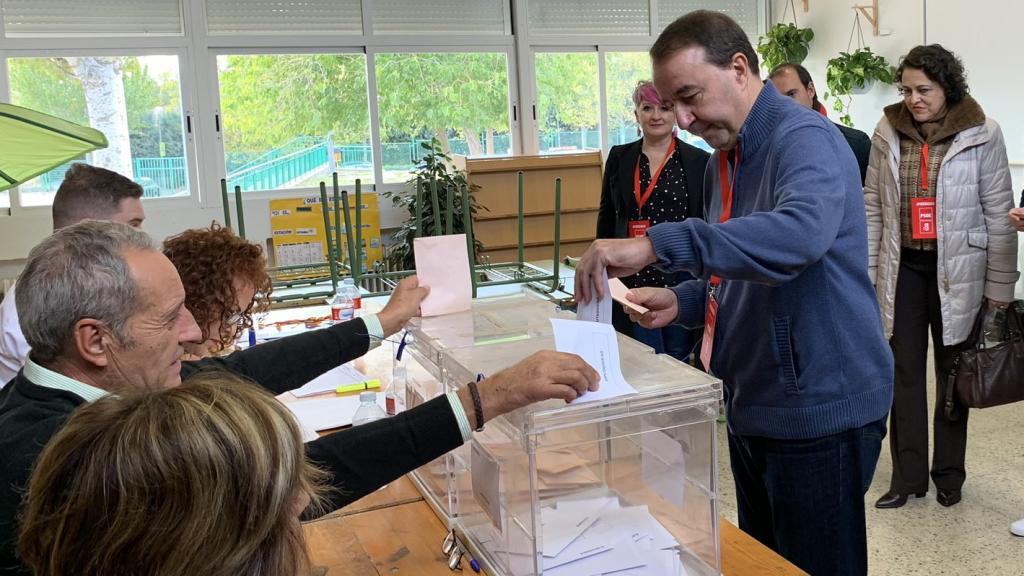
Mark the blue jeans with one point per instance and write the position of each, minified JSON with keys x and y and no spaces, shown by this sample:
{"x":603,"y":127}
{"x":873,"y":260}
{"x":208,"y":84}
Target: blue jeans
{"x":673,"y":340}
{"x":805,"y":498}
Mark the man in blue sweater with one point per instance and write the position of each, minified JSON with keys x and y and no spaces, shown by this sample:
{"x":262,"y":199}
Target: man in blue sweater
{"x":782,"y":291}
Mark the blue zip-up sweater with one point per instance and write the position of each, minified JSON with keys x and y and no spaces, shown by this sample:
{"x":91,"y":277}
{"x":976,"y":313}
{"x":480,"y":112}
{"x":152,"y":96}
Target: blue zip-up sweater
{"x":798,"y":339}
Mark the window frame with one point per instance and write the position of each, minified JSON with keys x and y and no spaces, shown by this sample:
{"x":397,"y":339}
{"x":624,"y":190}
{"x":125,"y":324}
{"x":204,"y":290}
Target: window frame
{"x":186,"y":96}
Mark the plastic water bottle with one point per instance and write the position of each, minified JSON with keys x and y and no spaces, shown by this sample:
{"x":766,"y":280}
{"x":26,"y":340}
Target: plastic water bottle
{"x":355,"y":295}
{"x":342,"y":307}
{"x":394,"y":396}
{"x":368,"y":410}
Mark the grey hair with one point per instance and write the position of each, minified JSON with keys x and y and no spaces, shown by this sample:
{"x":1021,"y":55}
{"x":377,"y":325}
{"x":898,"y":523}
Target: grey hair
{"x":78,"y":272}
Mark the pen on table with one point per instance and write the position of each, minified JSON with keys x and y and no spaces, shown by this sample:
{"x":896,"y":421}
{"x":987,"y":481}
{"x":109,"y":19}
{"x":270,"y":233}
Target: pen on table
{"x":252,"y":337}
{"x":357,"y":387}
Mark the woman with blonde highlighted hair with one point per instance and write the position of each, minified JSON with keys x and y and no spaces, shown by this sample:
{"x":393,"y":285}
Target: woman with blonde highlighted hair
{"x":658,"y":178}
{"x":206,"y":478}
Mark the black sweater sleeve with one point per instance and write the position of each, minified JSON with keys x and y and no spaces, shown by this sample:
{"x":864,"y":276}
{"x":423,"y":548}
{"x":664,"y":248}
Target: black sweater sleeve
{"x":364,"y":458}
{"x":288,"y":363}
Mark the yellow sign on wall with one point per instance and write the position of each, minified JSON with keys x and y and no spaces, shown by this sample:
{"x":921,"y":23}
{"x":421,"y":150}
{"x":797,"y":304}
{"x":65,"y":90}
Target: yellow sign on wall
{"x":297,"y":226}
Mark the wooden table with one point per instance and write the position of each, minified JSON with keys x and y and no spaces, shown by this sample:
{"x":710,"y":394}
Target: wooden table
{"x":394,"y":531}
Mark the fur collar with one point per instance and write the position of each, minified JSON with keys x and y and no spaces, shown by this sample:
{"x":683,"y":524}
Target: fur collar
{"x":966,"y":114}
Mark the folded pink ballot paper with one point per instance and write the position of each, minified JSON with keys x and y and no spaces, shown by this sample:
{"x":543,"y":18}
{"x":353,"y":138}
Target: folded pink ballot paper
{"x":443,"y":264}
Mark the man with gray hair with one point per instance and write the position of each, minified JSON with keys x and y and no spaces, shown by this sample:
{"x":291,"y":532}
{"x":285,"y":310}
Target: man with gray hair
{"x":86,"y":192}
{"x":104,"y":312}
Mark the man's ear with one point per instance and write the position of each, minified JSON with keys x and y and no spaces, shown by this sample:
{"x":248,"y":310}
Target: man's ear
{"x":91,"y":341}
{"x":741,"y":67}
{"x":812,"y":91}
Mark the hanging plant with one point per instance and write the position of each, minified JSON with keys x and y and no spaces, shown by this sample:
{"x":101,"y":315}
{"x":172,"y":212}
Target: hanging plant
{"x":855,"y":73}
{"x":784,"y":43}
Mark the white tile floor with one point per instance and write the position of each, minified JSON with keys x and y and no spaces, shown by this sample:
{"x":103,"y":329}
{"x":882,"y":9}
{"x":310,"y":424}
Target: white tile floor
{"x":923,"y":538}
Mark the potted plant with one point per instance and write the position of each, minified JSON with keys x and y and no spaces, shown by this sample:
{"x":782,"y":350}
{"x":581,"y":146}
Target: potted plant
{"x":784,"y":43}
{"x":434,"y":165}
{"x":855,"y":73}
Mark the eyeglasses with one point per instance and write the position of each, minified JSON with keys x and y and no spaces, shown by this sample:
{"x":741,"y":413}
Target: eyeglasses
{"x":906,"y":91}
{"x":236,"y":319}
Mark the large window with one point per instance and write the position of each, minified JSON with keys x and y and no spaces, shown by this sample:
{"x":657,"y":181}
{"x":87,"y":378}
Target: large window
{"x":459,"y":99}
{"x":289,"y":121}
{"x":567,"y":101}
{"x":134,"y":100}
{"x":622,"y":72}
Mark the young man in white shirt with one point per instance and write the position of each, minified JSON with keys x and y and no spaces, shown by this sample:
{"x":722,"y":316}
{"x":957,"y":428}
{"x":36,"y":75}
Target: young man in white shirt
{"x":87,"y":193}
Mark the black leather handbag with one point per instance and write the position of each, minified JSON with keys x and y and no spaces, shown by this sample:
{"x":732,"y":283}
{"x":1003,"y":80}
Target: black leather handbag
{"x":988,"y":376}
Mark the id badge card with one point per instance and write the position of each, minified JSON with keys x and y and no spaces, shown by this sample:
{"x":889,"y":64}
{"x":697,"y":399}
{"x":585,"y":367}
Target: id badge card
{"x":710,"y":316}
{"x":638,"y":228}
{"x":923,"y":218}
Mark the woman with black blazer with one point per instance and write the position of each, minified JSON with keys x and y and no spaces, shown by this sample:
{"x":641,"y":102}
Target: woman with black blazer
{"x":658,"y":178}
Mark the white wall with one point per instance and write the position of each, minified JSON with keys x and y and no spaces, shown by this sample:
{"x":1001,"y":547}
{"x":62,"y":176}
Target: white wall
{"x":902,"y":22}
{"x":989,"y":52}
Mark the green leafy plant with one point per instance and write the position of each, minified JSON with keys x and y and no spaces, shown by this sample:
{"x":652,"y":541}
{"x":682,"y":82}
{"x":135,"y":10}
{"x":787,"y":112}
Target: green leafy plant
{"x":435,"y":165}
{"x":784,"y":43}
{"x":853,"y":71}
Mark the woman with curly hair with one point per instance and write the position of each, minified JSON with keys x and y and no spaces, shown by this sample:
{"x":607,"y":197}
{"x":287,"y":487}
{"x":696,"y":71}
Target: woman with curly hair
{"x":209,"y":477}
{"x":940,"y":251}
{"x":225,"y":281}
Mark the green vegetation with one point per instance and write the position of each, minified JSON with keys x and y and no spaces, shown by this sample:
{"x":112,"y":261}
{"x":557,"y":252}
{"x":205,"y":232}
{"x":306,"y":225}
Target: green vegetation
{"x":854,"y":71}
{"x":784,"y":43}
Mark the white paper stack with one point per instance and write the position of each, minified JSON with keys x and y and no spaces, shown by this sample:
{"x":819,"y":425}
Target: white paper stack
{"x":597,"y":536}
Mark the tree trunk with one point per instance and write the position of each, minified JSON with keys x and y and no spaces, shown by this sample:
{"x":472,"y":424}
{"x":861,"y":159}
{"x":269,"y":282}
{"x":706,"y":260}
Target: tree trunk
{"x":103,"y":82}
{"x":475,"y":149}
{"x":442,"y":136}
{"x":489,"y":135}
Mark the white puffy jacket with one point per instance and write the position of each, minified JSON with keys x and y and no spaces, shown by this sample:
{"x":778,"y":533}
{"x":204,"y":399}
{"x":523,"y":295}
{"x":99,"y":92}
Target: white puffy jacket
{"x":977,"y":247}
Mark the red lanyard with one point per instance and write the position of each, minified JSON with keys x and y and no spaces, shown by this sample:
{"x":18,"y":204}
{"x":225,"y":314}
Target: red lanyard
{"x":727,"y":188}
{"x":924,"y":167}
{"x":641,"y":200}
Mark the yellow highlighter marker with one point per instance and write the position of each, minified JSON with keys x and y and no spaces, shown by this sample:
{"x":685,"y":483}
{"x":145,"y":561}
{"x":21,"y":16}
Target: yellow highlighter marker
{"x":357,"y":387}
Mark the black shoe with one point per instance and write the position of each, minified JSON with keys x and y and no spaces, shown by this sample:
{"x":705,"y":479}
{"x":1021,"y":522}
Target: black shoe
{"x":947,"y":497}
{"x":893,"y":500}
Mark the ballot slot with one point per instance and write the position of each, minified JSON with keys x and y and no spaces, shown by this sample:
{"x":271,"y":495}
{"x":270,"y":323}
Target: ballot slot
{"x":628,"y":482}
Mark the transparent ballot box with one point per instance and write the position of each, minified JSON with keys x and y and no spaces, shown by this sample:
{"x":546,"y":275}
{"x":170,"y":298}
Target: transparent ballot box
{"x":492,"y":321}
{"x":626,"y":485}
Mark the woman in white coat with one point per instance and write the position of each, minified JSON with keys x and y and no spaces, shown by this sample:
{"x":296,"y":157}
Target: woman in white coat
{"x":940,"y":248}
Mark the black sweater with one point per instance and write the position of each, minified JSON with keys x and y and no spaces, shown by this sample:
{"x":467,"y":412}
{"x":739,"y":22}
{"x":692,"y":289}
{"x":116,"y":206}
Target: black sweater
{"x":360,"y":460}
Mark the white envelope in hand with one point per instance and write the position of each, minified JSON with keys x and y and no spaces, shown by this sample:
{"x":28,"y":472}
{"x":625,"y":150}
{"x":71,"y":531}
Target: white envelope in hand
{"x":442,"y":263}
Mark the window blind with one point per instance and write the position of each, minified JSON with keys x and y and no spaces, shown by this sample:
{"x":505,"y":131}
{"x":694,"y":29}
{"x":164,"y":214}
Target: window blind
{"x":589,"y":17}
{"x":744,"y":12}
{"x":284,"y":17}
{"x":54,"y":18}
{"x":439,"y":17}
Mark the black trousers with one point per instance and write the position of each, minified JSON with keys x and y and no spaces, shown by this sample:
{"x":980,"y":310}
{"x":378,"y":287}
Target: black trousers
{"x":917,"y":310}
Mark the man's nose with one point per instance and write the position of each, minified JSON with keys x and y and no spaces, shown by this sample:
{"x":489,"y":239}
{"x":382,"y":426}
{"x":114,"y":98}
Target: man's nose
{"x":190,"y":331}
{"x":684,"y":117}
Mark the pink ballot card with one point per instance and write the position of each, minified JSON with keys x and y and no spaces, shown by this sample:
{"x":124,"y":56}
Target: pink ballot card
{"x":442,"y":264}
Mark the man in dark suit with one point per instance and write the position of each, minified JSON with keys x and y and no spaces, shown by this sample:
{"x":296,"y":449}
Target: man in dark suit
{"x":794,"y":80}
{"x":103,"y":311}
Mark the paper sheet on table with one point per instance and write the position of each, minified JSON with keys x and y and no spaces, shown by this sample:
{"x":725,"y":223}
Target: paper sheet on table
{"x":598,"y":345}
{"x":326,"y":412}
{"x":598,"y":309}
{"x":443,"y":265}
{"x":328,"y":381}
{"x":618,"y":291}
